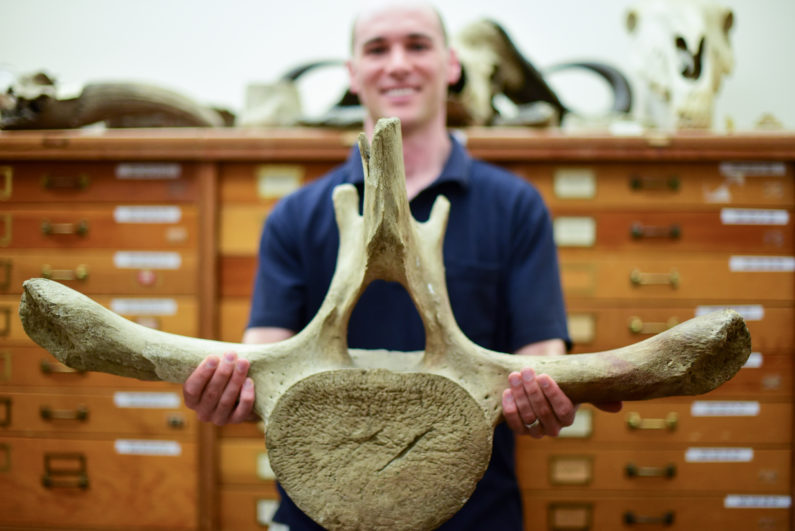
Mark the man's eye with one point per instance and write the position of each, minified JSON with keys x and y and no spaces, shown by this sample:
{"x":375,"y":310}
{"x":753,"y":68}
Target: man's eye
{"x":418,"y":46}
{"x":375,"y":50}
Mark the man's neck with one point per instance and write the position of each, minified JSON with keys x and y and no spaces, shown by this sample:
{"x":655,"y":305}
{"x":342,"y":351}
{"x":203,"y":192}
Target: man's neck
{"x":425,"y":153}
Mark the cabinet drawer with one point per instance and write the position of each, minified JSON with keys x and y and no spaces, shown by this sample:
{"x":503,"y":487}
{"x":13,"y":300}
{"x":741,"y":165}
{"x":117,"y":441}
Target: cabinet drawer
{"x":233,"y":314}
{"x":105,"y":272}
{"x":601,"y":327}
{"x":244,"y":461}
{"x":247,"y":508}
{"x":247,"y":182}
{"x":728,"y":230}
{"x":146,"y":182}
{"x":686,"y":420}
{"x":696,"y":277}
{"x":35,"y":367}
{"x":236,"y":275}
{"x":241,"y":226}
{"x":657,"y":470}
{"x":82,"y":484}
{"x":178,"y":315}
{"x":85,"y":226}
{"x":560,"y":511}
{"x":660,"y":185}
{"x":123,"y":413}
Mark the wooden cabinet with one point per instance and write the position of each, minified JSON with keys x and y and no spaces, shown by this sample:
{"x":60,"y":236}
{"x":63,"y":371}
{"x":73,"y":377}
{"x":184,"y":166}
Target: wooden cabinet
{"x":163,"y":227}
{"x":93,"y":450}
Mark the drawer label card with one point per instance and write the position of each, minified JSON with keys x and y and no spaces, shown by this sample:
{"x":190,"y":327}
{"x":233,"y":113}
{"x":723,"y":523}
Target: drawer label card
{"x":749,"y":312}
{"x":148,"y":170}
{"x":265,"y":511}
{"x":706,"y":408}
{"x":753,"y":216}
{"x":264,"y":470}
{"x":762,"y":264}
{"x":147,"y":260}
{"x":719,"y":455}
{"x":574,"y":231}
{"x":146,"y":400}
{"x":144,"y":306}
{"x":147,"y":214}
{"x":754,"y":361}
{"x":278,"y":180}
{"x":753,"y":169}
{"x":750,"y":501}
{"x":147,"y":447}
{"x":574,"y":183}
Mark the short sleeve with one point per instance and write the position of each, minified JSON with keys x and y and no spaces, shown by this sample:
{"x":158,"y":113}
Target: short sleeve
{"x":537,"y":309}
{"x":279,"y":286}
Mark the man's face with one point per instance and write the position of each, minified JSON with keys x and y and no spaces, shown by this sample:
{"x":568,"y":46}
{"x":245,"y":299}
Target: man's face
{"x":401,"y":66}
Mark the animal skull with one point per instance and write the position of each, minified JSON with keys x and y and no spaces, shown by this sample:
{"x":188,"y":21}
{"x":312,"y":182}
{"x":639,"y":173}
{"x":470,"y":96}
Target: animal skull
{"x":377,"y":439}
{"x":681,"y":52}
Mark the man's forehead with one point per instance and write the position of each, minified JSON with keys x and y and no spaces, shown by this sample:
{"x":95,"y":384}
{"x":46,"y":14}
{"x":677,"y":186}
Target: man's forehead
{"x":412,"y":21}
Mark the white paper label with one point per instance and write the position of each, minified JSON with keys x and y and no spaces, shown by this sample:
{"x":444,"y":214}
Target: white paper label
{"x":265,"y":511}
{"x":147,"y":260}
{"x":753,"y":169}
{"x":264,"y":470}
{"x":144,"y":306}
{"x":749,"y":216}
{"x":574,"y":231}
{"x":582,"y":426}
{"x":719,"y":455}
{"x":704,"y":408}
{"x":277,"y":180}
{"x":147,"y":447}
{"x":749,"y":312}
{"x":754,"y":361}
{"x":147,"y":214}
{"x":574,"y":183}
{"x":749,"y":501}
{"x":148,"y":170}
{"x":762,"y":264}
{"x":145,"y":400}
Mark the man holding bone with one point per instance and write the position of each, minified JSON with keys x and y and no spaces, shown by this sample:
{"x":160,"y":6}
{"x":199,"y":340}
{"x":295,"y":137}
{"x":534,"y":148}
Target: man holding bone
{"x":499,"y":254}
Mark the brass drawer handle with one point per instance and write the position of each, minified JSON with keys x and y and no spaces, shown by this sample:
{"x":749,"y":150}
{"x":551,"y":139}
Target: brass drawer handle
{"x":639,"y":278}
{"x":5,"y":273}
{"x":638,"y":326}
{"x":5,"y":321}
{"x":638,"y":182}
{"x":80,"y":414}
{"x":639,"y":231}
{"x":78,"y":273}
{"x":636,"y":422}
{"x":48,"y":367}
{"x":5,"y":239}
{"x":5,"y":420}
{"x":665,"y":519}
{"x":65,"y":470}
{"x":53,"y":229}
{"x":634,"y":471}
{"x":66,"y":182}
{"x":7,"y":175}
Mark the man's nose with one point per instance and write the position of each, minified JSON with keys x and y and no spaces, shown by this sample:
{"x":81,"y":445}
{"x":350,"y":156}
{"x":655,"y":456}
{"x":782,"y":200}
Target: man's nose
{"x":398,"y":60}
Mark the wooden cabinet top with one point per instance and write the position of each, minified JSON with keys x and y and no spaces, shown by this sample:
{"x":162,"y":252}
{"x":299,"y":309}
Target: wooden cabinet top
{"x":498,"y":144}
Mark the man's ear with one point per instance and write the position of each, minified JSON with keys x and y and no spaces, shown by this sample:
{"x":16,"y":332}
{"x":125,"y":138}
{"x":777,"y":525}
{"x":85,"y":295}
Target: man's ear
{"x":353,"y":85}
{"x":453,"y":68}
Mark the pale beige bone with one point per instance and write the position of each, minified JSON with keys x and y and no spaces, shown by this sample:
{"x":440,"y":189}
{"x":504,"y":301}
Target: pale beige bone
{"x":377,"y":439}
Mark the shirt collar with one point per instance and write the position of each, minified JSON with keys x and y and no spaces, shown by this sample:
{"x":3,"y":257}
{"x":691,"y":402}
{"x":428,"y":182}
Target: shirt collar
{"x":455,"y":170}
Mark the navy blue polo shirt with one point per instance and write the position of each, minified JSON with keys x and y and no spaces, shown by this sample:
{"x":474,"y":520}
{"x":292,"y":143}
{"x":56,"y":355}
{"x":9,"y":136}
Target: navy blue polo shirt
{"x":502,"y":278}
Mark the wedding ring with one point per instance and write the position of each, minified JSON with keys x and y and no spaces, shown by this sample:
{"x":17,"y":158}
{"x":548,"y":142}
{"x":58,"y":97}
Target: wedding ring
{"x":532,"y":424}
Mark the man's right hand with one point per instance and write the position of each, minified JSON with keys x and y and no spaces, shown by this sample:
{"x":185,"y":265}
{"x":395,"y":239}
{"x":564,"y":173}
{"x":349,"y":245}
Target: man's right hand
{"x":219,"y":390}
